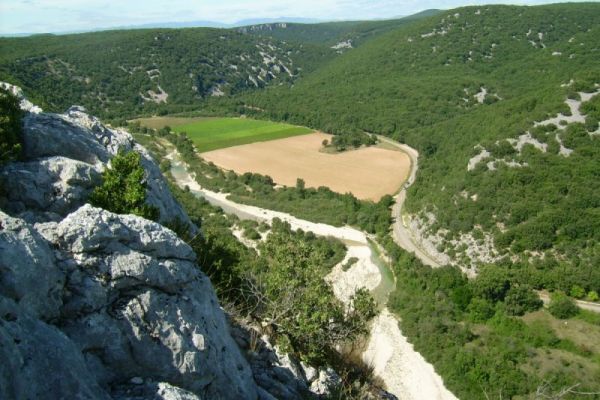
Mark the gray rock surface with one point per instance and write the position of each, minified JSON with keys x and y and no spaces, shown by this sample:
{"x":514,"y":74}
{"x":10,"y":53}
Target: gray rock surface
{"x":64,"y":157}
{"x":129,"y":301}
{"x":49,"y":135}
{"x":39,"y":361}
{"x":28,"y":273}
{"x":52,"y":186}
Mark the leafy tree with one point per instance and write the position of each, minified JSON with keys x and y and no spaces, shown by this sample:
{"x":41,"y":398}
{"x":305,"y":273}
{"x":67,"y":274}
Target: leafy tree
{"x":123,"y":190}
{"x":10,"y":127}
{"x":492,"y":283}
{"x":521,"y":299}
{"x":562,"y":306}
{"x":294,"y":299}
{"x":577,"y":291}
{"x":480,"y":310}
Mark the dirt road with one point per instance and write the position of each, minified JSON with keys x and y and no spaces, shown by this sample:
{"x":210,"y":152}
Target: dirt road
{"x":401,"y":233}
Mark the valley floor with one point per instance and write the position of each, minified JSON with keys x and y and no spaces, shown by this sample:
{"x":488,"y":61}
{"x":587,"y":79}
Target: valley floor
{"x":404,"y":371}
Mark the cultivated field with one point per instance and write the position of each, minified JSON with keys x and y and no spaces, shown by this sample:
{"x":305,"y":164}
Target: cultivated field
{"x":368,"y":173}
{"x":217,"y":133}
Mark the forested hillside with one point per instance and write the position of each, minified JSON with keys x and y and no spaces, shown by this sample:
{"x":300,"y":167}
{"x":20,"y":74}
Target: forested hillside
{"x":474,"y":81}
{"x":121,"y":73}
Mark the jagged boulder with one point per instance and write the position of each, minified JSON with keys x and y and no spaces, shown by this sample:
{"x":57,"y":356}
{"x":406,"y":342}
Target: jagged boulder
{"x":97,"y":305}
{"x":129,"y":302}
{"x":28,"y":273}
{"x":52,"y":187}
{"x":39,"y":361}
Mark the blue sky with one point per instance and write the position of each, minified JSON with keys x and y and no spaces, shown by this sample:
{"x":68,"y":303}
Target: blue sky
{"x":36,"y":16}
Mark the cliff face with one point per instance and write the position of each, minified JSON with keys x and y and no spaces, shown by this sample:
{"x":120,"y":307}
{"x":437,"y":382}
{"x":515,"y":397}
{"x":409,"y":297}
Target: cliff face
{"x":94,"y":304}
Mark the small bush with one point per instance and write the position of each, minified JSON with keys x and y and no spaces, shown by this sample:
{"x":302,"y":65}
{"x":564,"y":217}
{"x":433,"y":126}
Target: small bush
{"x":123,"y":190}
{"x":480,"y":310}
{"x":351,"y":261}
{"x":521,"y":299}
{"x":10,"y":127}
{"x":562,"y":307}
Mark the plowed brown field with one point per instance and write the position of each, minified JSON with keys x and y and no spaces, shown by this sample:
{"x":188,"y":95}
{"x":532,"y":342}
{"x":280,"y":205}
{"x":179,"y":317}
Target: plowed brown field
{"x":368,"y":173}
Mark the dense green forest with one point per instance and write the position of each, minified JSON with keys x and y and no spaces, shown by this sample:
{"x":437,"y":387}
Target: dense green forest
{"x":123,"y":73}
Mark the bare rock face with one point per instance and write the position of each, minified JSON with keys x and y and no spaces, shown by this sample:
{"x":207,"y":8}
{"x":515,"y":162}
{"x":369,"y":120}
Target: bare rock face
{"x":28,"y":273}
{"x":39,"y":361}
{"x":95,"y":305}
{"x":52,"y":187}
{"x":126,"y":300}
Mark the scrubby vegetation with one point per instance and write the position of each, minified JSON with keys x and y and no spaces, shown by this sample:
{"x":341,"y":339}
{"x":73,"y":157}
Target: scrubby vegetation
{"x":283,"y":287}
{"x":123,"y":189}
{"x":10,"y":127}
{"x":282,"y":284}
{"x":470,"y":331}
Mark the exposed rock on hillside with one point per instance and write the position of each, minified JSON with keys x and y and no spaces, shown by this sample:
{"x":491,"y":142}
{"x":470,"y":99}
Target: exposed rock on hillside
{"x":97,"y":305}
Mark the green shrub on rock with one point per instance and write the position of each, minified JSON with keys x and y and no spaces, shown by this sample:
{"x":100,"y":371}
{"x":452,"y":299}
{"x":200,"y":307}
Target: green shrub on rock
{"x":10,"y":127}
{"x":123,"y":190}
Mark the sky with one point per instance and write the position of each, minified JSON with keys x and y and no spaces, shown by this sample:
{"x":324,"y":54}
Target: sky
{"x":42,"y":16}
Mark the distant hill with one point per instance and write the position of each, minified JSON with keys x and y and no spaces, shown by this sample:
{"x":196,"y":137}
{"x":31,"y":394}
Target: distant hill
{"x":128,"y":72}
{"x":332,"y":33}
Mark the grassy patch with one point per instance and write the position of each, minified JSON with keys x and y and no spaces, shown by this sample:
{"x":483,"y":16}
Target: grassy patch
{"x":585,"y":336}
{"x":213,"y":134}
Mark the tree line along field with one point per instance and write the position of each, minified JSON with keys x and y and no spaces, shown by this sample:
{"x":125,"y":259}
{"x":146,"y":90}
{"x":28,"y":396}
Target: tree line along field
{"x":216,"y":133}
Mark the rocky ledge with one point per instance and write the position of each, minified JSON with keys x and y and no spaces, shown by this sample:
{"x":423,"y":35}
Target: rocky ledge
{"x":95,"y":305}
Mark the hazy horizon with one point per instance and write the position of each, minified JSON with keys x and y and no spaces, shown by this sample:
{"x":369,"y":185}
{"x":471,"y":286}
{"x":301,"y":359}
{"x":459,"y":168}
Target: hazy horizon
{"x":59,"y":16}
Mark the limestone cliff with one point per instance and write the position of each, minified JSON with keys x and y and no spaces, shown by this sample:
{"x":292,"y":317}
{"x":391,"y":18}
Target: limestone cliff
{"x":95,"y":305}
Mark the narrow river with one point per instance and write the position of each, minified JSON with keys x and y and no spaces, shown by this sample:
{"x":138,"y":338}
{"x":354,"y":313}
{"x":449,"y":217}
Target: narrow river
{"x":404,"y":371}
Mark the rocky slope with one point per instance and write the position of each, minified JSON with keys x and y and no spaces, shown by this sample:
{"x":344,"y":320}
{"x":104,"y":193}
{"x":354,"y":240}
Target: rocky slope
{"x":97,"y":305}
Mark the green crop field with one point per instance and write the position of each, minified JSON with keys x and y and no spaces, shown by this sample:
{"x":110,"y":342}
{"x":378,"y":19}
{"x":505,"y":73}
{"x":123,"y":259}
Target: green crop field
{"x":213,"y":134}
